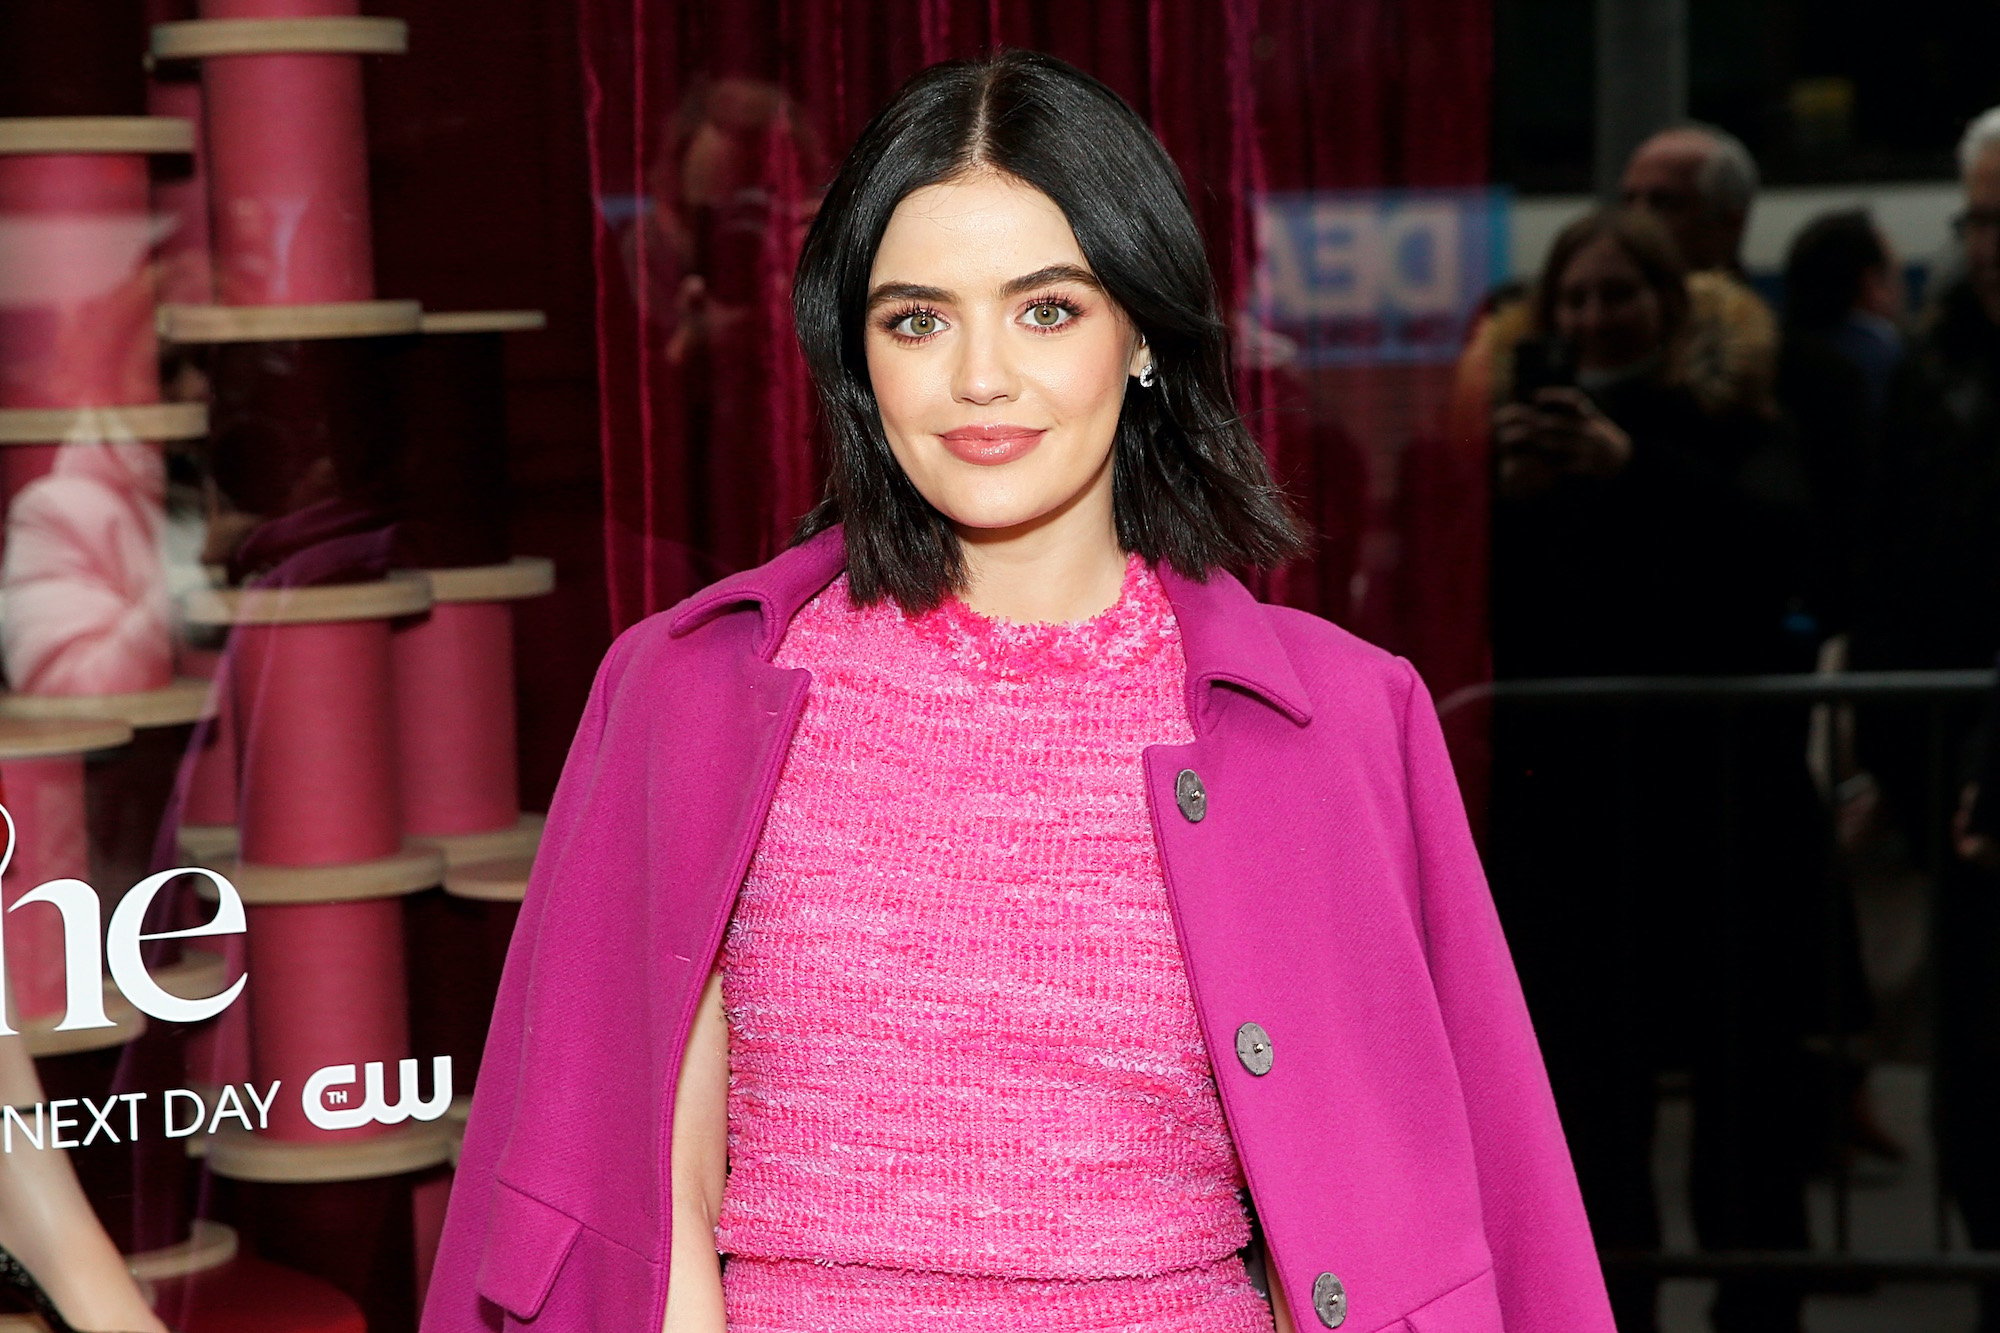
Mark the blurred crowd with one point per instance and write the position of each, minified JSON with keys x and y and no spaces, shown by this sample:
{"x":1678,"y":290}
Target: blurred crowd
{"x":1693,"y":480}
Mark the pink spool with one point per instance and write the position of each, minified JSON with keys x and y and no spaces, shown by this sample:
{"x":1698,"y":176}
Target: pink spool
{"x":181,"y":203}
{"x":288,"y":179}
{"x":210,"y":799}
{"x":317,"y":775}
{"x":454,"y":673}
{"x":45,"y":797}
{"x":330,"y":991}
{"x":77,"y":328}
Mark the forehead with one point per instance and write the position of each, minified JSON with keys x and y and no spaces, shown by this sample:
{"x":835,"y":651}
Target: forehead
{"x":1601,"y":260}
{"x":973,"y":233}
{"x":1674,"y":160}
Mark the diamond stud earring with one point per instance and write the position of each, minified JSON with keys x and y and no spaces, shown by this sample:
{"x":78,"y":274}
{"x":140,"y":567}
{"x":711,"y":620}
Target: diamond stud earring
{"x":1146,"y":376}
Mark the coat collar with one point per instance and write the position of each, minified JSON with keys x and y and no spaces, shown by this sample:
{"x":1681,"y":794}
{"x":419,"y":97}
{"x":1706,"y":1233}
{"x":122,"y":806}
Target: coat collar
{"x":1226,"y":634}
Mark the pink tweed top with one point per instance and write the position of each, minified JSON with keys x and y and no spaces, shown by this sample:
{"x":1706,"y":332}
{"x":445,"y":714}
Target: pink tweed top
{"x":966,"y":1077}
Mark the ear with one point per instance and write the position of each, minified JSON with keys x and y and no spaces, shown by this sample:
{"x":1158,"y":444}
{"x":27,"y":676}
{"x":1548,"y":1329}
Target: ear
{"x":1142,"y":356}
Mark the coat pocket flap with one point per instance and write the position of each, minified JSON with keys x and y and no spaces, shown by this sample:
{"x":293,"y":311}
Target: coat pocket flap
{"x":526,"y":1243}
{"x":1470,"y":1307}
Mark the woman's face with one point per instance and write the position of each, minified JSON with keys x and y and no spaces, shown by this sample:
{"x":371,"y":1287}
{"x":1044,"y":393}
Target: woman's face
{"x":997,"y":362}
{"x":1605,"y":309}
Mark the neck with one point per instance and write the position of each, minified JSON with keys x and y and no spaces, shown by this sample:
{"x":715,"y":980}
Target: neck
{"x":1065,"y":566}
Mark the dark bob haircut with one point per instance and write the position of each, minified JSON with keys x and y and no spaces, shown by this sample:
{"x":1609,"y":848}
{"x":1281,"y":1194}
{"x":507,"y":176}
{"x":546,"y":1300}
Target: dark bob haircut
{"x":1189,"y":484}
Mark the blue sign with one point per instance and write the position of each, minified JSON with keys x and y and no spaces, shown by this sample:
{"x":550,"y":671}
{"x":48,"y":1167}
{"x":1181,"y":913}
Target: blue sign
{"x":1367,"y":277}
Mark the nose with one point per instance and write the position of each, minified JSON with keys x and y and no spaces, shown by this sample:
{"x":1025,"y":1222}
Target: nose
{"x":985,"y":371}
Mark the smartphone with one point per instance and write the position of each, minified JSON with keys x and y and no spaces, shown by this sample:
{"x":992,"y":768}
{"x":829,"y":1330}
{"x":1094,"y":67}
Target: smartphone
{"x":1542,"y":363}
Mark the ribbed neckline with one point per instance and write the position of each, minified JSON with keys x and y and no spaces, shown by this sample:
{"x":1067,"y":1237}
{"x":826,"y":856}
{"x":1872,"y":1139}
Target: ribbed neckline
{"x":1135,"y":628}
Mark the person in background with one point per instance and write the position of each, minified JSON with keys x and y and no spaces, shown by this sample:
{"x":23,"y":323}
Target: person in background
{"x":1639,"y":529}
{"x":1933,"y":601}
{"x":1842,"y":341}
{"x":1844,"y":289}
{"x":1699,"y":181}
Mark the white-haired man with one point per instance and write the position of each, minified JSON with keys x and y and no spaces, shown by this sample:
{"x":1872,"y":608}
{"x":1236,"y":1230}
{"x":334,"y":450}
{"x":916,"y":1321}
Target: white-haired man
{"x":1700,"y":181}
{"x":1979,"y":224}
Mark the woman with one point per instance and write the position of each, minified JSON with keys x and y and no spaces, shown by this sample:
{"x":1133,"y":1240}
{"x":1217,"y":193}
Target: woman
{"x":1645,"y":490}
{"x":1661,"y":869}
{"x":969,"y":917}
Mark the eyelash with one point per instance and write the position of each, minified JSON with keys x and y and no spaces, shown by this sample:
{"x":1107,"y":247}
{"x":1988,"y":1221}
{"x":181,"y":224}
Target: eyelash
{"x":1063,"y":303}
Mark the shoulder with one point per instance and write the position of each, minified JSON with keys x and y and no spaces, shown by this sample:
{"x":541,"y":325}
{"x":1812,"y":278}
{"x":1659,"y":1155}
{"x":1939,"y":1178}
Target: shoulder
{"x":1344,"y":675}
{"x":1728,"y":353}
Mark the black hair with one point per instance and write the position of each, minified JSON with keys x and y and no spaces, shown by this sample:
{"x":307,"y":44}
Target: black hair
{"x":1826,"y":265}
{"x":1189,"y":484}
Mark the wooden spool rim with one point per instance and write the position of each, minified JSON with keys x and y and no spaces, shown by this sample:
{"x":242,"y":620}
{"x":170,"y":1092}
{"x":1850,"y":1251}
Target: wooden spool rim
{"x":520,"y":838}
{"x":522,"y":577}
{"x":96,"y":134}
{"x":286,"y":323}
{"x":42,"y":1039}
{"x":403,"y":593}
{"x":42,"y":738}
{"x":484,"y":321}
{"x":502,"y":880}
{"x":208,"y":844}
{"x":331,"y":34}
{"x":242,"y":1154}
{"x":133,"y":421}
{"x":210,"y":1244}
{"x":185,"y":700}
{"x":411,"y":870}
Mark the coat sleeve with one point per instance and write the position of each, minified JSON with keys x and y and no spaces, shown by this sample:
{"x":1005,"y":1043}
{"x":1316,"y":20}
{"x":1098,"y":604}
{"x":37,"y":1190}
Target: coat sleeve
{"x":1544,"y":1261}
{"x":452,"y":1303}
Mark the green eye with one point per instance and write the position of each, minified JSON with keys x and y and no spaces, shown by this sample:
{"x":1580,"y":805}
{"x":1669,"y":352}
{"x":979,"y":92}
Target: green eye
{"x":922,"y":324}
{"x":1047,"y":315}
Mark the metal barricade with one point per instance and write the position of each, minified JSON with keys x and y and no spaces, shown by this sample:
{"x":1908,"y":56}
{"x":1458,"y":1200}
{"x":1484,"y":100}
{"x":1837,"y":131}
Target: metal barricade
{"x":1935,"y":702}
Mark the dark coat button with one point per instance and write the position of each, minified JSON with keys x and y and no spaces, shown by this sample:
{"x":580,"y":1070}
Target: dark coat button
{"x":1190,"y":795}
{"x":1253,"y":1048}
{"x":1329,"y":1300}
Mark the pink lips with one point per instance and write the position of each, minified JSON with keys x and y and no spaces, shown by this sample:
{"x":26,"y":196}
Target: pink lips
{"x":991,"y":445}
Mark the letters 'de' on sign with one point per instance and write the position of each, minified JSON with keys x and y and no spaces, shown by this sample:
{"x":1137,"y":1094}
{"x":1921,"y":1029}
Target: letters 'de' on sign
{"x":1375,"y":277}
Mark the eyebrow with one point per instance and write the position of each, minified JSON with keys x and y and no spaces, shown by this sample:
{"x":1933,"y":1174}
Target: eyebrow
{"x":1041,"y":277}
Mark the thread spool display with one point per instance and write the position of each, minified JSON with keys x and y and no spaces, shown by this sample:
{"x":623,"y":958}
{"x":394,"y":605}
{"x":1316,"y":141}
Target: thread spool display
{"x":322,"y":861}
{"x":80,"y":415}
{"x":287,"y":147}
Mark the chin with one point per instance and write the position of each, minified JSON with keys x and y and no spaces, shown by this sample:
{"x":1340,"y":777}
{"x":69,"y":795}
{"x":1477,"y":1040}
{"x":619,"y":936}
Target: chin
{"x":993,"y":513}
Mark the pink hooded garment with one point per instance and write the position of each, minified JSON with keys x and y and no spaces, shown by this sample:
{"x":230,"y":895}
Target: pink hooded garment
{"x":1395,"y":1126}
{"x":86,"y":592}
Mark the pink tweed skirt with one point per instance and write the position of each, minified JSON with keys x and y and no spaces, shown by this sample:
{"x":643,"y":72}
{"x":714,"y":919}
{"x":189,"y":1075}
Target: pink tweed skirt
{"x":802,"y":1296}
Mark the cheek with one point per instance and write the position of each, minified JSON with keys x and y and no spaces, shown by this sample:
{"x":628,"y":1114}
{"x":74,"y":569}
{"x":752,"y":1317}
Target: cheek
{"x":1646,"y":318}
{"x":1082,"y":378}
{"x":903,"y":387}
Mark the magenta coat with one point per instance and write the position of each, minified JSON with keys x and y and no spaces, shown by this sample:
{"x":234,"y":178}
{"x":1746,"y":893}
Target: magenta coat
{"x":1402,"y":1148}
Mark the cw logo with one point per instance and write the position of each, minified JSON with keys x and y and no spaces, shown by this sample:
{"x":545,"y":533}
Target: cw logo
{"x":85,"y":947}
{"x":325,"y":1087}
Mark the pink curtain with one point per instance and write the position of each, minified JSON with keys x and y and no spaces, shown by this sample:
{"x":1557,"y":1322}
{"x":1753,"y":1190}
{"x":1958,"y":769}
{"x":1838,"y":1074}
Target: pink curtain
{"x":713,"y":127}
